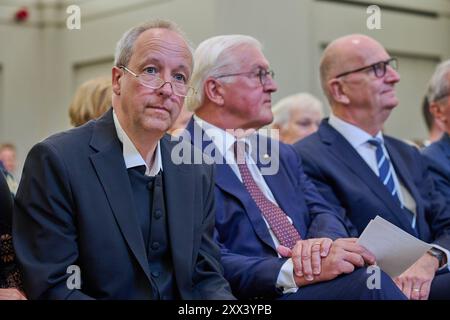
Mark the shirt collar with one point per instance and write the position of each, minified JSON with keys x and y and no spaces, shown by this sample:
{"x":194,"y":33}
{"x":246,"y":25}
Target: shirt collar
{"x":131,"y":156}
{"x":354,"y":135}
{"x":222,"y":139}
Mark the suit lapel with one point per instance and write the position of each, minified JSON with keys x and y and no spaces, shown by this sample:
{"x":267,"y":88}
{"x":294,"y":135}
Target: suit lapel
{"x":178,"y":193}
{"x":445,"y":144}
{"x":110,"y":167}
{"x":288,"y":201}
{"x":227,"y":181}
{"x":405,"y":178}
{"x":344,"y":151}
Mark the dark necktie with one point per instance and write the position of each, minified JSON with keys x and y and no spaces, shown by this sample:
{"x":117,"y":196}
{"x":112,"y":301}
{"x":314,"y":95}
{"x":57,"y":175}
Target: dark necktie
{"x":278,"y":221}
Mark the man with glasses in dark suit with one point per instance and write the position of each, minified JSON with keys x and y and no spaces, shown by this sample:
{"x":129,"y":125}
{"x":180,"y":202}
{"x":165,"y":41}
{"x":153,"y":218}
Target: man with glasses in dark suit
{"x":358,"y":168}
{"x":105,"y":204}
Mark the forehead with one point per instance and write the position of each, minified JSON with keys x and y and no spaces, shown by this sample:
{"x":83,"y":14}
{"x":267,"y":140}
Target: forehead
{"x":365,"y":51}
{"x":162,"y":45}
{"x":249,"y":56}
{"x":306,"y":112}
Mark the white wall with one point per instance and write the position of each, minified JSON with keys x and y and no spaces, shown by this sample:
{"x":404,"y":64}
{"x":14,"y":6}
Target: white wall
{"x":43,"y":62}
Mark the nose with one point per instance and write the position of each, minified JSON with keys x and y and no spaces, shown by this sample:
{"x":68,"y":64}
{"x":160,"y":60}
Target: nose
{"x":165,"y":90}
{"x":270,"y":85}
{"x":392,"y":76}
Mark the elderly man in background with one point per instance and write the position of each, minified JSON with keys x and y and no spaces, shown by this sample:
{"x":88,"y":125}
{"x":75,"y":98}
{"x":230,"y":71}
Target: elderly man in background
{"x":438,"y":153}
{"x":296,"y":116}
{"x":355,"y":166}
{"x":8,"y":165}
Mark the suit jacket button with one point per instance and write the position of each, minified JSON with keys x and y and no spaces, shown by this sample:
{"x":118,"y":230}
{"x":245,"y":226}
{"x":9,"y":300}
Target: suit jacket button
{"x":155,"y":245}
{"x":155,"y":274}
{"x":158,"y":214}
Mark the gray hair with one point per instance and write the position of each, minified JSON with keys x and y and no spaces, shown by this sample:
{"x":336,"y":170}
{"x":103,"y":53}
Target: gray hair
{"x":303,"y":101}
{"x":212,"y":58}
{"x":439,"y":85}
{"x":124,"y":47}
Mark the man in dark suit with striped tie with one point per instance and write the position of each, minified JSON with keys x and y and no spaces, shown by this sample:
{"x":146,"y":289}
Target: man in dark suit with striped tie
{"x":355,"y":166}
{"x":265,"y":205}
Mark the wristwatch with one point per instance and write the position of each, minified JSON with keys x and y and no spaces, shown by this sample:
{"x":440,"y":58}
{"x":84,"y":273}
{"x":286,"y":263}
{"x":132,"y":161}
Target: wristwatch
{"x":438,"y":254}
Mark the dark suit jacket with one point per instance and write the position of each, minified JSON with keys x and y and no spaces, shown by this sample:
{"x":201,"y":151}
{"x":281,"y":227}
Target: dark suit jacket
{"x":438,"y":156}
{"x":344,"y":179}
{"x":249,"y":256}
{"x":6,"y":206}
{"x":75,"y":207}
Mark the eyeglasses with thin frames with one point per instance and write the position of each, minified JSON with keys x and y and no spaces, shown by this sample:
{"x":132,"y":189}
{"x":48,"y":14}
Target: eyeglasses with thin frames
{"x":261,"y":73}
{"x":379,"y":68}
{"x":153,"y":82}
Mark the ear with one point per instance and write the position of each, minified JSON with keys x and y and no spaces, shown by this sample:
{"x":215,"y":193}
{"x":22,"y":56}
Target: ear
{"x":214,"y":91}
{"x":276,"y":126}
{"x":437,"y":109}
{"x":117,"y":74}
{"x":337,"y":91}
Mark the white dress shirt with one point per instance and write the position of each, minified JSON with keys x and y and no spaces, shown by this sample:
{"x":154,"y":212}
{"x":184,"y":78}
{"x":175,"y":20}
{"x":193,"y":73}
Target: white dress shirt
{"x":132,"y":156}
{"x":224,"y":143}
{"x":358,"y":139}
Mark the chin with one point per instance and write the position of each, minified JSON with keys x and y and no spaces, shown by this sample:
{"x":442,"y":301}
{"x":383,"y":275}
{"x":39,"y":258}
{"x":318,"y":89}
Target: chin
{"x":157,"y":125}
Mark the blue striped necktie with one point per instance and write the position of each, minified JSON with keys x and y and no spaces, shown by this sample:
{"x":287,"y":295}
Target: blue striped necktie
{"x":385,"y":173}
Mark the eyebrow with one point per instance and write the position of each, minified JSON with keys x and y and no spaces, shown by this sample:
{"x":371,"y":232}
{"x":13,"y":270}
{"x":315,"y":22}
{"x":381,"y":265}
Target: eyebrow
{"x":158,"y":62}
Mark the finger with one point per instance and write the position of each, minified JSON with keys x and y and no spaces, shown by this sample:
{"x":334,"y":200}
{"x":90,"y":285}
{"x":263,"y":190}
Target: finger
{"x":425,"y":290}
{"x":368,"y":257}
{"x":325,"y":247}
{"x":315,"y":258}
{"x":306,"y":260}
{"x":398,"y":283}
{"x":348,"y":240}
{"x":407,"y":287}
{"x":10,"y":294}
{"x":415,"y":290}
{"x":346,"y":267}
{"x":354,"y":258}
{"x":297,"y":259}
{"x":285,"y":252}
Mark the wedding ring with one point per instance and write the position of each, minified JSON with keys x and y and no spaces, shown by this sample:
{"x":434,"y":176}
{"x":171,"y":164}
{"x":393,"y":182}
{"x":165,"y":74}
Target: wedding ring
{"x":416,"y":289}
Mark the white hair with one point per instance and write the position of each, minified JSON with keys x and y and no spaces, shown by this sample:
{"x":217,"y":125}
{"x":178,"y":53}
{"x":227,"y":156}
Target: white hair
{"x":212,"y":57}
{"x":124,"y":47}
{"x":303,"y":101}
{"x":439,"y":85}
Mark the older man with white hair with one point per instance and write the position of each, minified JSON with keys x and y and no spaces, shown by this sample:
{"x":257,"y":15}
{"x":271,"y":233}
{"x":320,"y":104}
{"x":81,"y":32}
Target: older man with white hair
{"x":297,"y":116}
{"x":260,"y":215}
{"x":438,"y":153}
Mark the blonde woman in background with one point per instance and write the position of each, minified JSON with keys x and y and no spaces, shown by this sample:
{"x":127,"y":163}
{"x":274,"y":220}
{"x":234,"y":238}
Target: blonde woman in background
{"x":297,"y":116}
{"x":91,"y":100}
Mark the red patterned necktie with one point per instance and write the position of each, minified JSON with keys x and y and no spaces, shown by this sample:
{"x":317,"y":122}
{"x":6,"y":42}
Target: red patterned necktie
{"x":278,"y":221}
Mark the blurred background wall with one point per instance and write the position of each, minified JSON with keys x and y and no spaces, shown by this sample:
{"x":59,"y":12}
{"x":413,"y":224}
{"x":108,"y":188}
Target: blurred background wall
{"x":42,"y":62}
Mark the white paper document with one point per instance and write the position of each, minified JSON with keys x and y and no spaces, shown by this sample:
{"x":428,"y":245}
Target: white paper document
{"x":394,"y":249}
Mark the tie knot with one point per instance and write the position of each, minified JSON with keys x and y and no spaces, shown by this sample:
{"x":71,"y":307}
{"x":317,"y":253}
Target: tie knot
{"x":377,"y":142}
